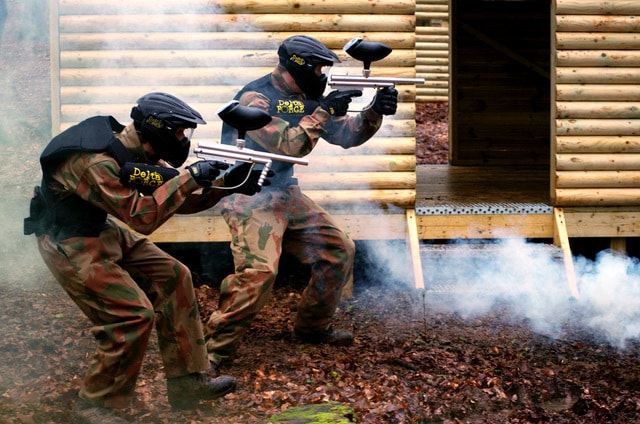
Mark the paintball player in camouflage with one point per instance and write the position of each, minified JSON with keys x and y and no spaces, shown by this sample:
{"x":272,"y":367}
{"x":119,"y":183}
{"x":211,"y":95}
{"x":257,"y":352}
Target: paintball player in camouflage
{"x":121,"y":281}
{"x":281,"y":217}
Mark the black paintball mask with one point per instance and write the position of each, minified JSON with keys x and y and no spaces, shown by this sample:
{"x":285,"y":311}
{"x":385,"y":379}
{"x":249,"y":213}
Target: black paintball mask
{"x":157,"y":118}
{"x":300,"y":55}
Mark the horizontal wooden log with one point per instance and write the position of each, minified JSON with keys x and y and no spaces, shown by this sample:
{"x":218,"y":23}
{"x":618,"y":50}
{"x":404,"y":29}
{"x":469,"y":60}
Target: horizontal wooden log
{"x":375,"y":146}
{"x":220,"y":40}
{"x":432,"y":38}
{"x":432,"y":45}
{"x":598,"y":127}
{"x":597,"y":58}
{"x":390,"y":128}
{"x":364,"y":163}
{"x":424,"y":16}
{"x":428,"y":98}
{"x":602,"y":110}
{"x":205,"y":94}
{"x":431,"y":30}
{"x":597,"y":40}
{"x":597,"y":75}
{"x":598,"y":92}
{"x":597,"y":179}
{"x":597,"y":162}
{"x":387,"y":7}
{"x":431,"y":7}
{"x":598,"y":144}
{"x":626,"y":24}
{"x":597,"y":7}
{"x":355,"y":180}
{"x":372,"y":199}
{"x":201,"y":58}
{"x":304,"y":23}
{"x":197,"y":76}
{"x":436,"y":71}
{"x":597,"y":197}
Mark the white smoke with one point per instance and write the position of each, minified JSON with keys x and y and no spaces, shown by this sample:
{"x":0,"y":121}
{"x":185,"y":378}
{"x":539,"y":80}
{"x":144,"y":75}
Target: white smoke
{"x":526,"y":283}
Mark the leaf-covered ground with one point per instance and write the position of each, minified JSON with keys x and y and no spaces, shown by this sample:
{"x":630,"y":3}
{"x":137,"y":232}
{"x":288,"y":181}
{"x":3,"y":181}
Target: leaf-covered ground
{"x":409,"y":364}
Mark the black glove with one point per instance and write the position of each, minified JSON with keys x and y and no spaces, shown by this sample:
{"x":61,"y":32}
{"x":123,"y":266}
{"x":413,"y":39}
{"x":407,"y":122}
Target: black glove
{"x":205,"y":171}
{"x":245,"y":179}
{"x":337,"y":102}
{"x":386,"y":101}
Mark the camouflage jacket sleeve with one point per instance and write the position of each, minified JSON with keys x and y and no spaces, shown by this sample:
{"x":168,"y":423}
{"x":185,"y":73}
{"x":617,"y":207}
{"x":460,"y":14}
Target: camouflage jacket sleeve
{"x":95,"y":178}
{"x":282,"y":138}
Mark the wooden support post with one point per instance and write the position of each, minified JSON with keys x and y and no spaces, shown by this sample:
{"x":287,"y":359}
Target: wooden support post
{"x":414,"y":248}
{"x":618,"y":244}
{"x":561,"y":238}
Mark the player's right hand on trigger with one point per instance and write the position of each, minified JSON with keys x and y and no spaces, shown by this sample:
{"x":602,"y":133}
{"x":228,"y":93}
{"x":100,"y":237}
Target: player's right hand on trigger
{"x":337,"y":102}
{"x":206,"y":171}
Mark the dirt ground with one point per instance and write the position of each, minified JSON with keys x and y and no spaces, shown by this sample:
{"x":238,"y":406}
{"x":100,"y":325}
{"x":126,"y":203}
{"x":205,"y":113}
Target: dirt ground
{"x":411,"y":363}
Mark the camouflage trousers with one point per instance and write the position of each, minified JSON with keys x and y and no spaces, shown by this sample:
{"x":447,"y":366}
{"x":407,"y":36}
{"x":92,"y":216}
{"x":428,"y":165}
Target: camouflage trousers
{"x":126,"y":285}
{"x":262,"y":226}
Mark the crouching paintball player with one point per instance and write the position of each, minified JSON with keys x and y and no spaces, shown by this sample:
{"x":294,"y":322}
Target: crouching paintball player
{"x":120,"y":280}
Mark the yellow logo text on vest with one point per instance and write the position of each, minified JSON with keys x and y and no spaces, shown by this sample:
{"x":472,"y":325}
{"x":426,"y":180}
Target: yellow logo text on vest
{"x":146,"y":178}
{"x":290,"y":106}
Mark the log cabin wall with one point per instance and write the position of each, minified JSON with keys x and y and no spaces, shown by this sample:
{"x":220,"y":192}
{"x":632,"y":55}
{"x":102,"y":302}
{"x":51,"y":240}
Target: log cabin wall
{"x":105,"y":54}
{"x":432,"y":50}
{"x":596,"y":159}
{"x":499,"y":89}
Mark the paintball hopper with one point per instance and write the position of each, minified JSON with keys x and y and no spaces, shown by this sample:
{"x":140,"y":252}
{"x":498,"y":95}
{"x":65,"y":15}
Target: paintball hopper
{"x":366,"y":52}
{"x":243,"y":118}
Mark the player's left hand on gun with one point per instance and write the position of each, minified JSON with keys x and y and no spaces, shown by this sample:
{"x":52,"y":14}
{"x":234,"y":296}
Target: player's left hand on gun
{"x":386,"y":101}
{"x":244,"y":180}
{"x":337,"y":102}
{"x":206,"y":171}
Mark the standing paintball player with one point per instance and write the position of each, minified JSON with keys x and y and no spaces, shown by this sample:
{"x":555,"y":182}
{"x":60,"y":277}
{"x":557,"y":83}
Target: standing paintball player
{"x":121,"y":281}
{"x":281,"y":217}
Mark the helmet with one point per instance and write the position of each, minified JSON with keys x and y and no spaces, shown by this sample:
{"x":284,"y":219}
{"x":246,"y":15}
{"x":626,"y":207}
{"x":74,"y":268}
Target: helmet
{"x":300,"y":55}
{"x":156,"y":118}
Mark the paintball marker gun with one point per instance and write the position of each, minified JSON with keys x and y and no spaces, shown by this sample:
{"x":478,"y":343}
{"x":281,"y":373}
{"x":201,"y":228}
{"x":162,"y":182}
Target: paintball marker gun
{"x":367,"y":52}
{"x":243,"y":119}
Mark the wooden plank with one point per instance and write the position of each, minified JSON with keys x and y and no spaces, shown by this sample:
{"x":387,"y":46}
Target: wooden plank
{"x":414,"y":248}
{"x":490,"y":226}
{"x":603,"y":221}
{"x":561,"y":239}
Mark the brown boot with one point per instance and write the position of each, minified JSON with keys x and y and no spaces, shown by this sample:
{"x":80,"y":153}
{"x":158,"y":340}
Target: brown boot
{"x":85,"y":412}
{"x":185,"y":392}
{"x":330,"y":336}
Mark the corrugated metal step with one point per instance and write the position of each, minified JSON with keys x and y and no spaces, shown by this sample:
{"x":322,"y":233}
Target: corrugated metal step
{"x":449,"y":268}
